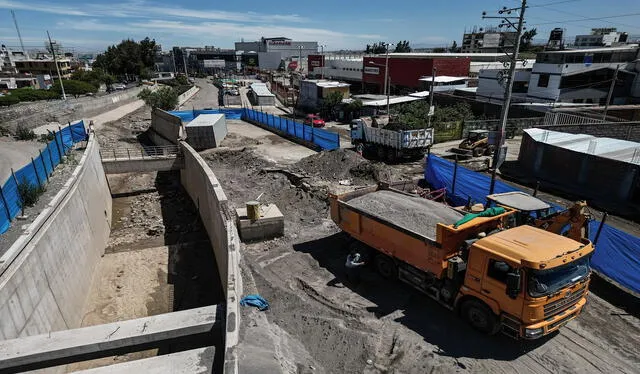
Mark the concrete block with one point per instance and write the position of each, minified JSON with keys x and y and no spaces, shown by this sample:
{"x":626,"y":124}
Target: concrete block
{"x":270,"y":224}
{"x":206,"y":131}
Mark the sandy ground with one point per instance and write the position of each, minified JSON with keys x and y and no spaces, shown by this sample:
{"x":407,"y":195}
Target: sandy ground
{"x":272,"y":146}
{"x":207,"y":97}
{"x":320,"y":323}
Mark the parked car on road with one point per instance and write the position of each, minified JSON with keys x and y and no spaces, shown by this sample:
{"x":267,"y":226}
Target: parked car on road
{"x":119,"y":86}
{"x":315,"y":120}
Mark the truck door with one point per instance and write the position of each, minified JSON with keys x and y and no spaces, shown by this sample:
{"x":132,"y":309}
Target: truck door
{"x":494,"y":285}
{"x":356,"y":130}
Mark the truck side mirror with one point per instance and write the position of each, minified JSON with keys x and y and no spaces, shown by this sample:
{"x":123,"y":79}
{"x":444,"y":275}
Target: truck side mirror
{"x":513,"y":285}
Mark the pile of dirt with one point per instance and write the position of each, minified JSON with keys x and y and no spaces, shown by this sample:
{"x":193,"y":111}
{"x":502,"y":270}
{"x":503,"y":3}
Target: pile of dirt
{"x":244,"y":159}
{"x":413,"y":213}
{"x":344,"y":164}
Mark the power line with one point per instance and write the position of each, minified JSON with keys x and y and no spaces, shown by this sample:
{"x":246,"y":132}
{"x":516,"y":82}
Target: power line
{"x":591,"y":18}
{"x":553,"y":3}
{"x":547,"y":7}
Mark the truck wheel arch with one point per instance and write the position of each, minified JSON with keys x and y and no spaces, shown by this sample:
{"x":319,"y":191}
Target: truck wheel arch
{"x":491,"y":304}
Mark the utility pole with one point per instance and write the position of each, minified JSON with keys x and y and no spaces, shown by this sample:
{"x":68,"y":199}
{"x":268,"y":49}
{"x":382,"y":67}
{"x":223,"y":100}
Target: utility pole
{"x":386,"y":71}
{"x":184,"y":62}
{"x":322,"y":54}
{"x":55,"y":61}
{"x":508,"y":22}
{"x":433,"y":81}
{"x":613,"y":84}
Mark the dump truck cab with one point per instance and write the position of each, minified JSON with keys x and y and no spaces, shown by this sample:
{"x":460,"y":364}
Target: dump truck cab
{"x":524,"y":281}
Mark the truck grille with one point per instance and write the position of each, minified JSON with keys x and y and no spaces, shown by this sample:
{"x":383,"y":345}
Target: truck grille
{"x":565,"y":303}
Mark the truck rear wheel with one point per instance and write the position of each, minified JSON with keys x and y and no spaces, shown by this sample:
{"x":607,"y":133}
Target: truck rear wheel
{"x":380,"y":153}
{"x":480,"y":317}
{"x":386,"y":267}
{"x":392,"y":156}
{"x":478,"y":151}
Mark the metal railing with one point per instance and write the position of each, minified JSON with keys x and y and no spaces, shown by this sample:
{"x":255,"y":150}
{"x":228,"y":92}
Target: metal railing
{"x":146,"y":152}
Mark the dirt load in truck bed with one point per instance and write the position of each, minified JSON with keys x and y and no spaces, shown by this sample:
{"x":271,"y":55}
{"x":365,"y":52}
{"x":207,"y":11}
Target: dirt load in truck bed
{"x":412,"y":213}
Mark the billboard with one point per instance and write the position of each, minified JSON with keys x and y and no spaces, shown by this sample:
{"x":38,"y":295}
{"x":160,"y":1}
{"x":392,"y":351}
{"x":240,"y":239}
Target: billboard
{"x":214,"y":63}
{"x":371,"y":70}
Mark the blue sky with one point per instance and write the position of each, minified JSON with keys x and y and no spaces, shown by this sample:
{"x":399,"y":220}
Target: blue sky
{"x":345,"y":24}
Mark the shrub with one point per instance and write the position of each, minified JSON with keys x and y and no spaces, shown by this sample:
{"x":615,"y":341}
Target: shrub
{"x":165,"y":98}
{"x":9,"y":100}
{"x":24,"y":133}
{"x":29,"y":193}
{"x":75,"y":88}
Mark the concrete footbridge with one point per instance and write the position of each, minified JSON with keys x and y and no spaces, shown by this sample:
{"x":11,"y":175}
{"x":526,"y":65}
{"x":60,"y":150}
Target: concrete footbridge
{"x":145,"y":159}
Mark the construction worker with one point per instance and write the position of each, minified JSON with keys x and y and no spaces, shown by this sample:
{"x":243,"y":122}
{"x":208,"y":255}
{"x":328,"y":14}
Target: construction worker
{"x":353,"y":265}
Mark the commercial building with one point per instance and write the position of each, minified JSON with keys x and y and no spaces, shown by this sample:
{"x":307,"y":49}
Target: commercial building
{"x":406,"y":69}
{"x":313,"y":91}
{"x":44,"y":66}
{"x":595,"y":168}
{"x":489,"y":40}
{"x":584,"y":75}
{"x":344,"y":68}
{"x":443,"y":83}
{"x":285,"y":47}
{"x":601,"y":37}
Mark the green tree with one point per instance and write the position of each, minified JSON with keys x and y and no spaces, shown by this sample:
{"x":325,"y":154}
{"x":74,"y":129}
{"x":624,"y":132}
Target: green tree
{"x":330,"y":104}
{"x":527,"y":38}
{"x":403,"y":47}
{"x":129,"y":58}
{"x":165,"y":98}
{"x":454,"y":47}
{"x":75,"y":88}
{"x":354,"y":108}
{"x":414,"y":115}
{"x":94,"y":77}
{"x":376,"y":48}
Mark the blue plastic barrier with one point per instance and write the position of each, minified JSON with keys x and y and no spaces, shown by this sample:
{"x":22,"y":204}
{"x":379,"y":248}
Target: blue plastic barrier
{"x":37,"y":171}
{"x":617,"y":254}
{"x":326,"y":140}
{"x":190,"y":115}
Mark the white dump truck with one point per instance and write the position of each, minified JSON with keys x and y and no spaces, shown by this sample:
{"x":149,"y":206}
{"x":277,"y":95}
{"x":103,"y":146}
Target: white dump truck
{"x":369,"y":136}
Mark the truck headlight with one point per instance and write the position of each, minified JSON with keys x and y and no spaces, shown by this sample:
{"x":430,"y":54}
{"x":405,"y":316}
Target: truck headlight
{"x":533,"y":333}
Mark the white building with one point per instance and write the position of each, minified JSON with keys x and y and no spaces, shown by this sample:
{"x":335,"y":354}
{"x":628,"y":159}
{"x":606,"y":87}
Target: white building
{"x":313,"y":91}
{"x":339,"y":67}
{"x":491,"y":85}
{"x":600,"y":37}
{"x":443,"y":83}
{"x":286,"y":47}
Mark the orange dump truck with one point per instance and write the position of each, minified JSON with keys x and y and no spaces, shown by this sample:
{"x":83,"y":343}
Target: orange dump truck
{"x":523,"y":281}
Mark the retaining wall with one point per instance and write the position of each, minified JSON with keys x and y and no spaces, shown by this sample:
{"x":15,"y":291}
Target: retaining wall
{"x":46,"y":274}
{"x":188,"y":95}
{"x":207,"y":194}
{"x":167,"y":125}
{"x":34,"y":114}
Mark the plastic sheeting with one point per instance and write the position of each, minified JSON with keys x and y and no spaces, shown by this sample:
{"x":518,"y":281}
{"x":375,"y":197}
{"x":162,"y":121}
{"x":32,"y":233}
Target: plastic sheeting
{"x":617,"y":254}
{"x":36,"y":172}
{"x":190,"y":115}
{"x":326,"y":140}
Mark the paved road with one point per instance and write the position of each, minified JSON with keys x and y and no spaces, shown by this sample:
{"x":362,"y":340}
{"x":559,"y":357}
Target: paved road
{"x":207,"y":97}
{"x":15,"y":155}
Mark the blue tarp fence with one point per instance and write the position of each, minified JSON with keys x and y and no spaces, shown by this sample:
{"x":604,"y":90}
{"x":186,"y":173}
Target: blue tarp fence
{"x":326,"y":140}
{"x":190,"y":115}
{"x":37,"y":172}
{"x":617,"y":254}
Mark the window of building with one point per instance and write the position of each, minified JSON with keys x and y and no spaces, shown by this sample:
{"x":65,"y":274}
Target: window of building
{"x":498,"y":270}
{"x":543,"y":80}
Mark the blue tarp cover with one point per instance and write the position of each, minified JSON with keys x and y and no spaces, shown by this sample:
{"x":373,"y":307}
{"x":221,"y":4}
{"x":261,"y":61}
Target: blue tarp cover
{"x":190,"y":115}
{"x":326,"y":140}
{"x":617,"y":253}
{"x":36,"y":172}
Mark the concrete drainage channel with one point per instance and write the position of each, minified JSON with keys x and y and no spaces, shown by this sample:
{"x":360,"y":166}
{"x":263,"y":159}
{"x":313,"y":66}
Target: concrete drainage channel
{"x":67,"y":285}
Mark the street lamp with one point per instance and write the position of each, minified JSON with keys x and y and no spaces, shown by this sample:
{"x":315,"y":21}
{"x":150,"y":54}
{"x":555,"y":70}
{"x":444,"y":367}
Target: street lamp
{"x":387,"y":78}
{"x":300,"y":57}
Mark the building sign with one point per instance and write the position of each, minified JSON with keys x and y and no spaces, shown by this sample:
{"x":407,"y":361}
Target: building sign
{"x":371,"y":70}
{"x":279,"y":42}
{"x":293,"y":65}
{"x":214,"y":63}
{"x":315,"y":63}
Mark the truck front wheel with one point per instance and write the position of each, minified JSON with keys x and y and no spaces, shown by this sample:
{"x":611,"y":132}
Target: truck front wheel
{"x":480,"y":317}
{"x":386,"y":267}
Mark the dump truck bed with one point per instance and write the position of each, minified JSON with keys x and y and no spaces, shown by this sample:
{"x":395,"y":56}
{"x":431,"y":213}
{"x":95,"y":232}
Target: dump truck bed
{"x":410,"y":213}
{"x":421,"y":138}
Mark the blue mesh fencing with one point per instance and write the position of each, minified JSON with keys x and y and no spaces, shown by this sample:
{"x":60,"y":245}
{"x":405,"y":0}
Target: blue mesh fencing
{"x":37,"y":171}
{"x":326,"y":140}
{"x":617,"y":253}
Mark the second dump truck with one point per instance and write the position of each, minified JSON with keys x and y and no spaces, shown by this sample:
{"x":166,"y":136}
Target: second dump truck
{"x":523,"y":281}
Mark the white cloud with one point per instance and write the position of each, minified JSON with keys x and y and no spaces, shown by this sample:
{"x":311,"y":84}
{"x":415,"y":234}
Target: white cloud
{"x":143,"y":9}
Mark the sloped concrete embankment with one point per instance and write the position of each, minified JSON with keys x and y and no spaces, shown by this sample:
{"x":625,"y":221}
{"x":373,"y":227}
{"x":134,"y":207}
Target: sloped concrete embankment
{"x":207,"y":194}
{"x":46,"y":274}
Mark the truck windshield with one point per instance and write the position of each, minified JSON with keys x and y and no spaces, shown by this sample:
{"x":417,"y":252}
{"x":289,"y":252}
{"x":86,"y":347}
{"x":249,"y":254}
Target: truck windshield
{"x":546,"y":282}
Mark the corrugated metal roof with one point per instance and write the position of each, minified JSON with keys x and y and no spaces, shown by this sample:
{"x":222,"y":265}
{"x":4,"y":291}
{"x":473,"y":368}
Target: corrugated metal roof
{"x":392,"y":101}
{"x":261,"y":89}
{"x":615,"y":149}
{"x":442,"y":79}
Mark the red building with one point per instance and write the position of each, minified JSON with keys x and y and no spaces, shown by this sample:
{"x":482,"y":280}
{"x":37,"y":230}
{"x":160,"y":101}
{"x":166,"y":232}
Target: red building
{"x":314,"y":61}
{"x":405,"y":70}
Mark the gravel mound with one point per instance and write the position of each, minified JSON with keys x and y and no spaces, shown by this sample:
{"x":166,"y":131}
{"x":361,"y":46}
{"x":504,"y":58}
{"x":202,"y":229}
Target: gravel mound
{"x":344,"y":164}
{"x":412,"y":213}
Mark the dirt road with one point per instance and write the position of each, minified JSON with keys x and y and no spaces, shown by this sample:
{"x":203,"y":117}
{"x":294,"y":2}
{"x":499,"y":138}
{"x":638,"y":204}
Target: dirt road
{"x":320,"y":323}
{"x":207,"y":97}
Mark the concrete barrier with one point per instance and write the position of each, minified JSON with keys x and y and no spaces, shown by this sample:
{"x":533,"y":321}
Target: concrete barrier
{"x":167,"y":125}
{"x":45,"y":275}
{"x":188,"y":95}
{"x":205,"y":191}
